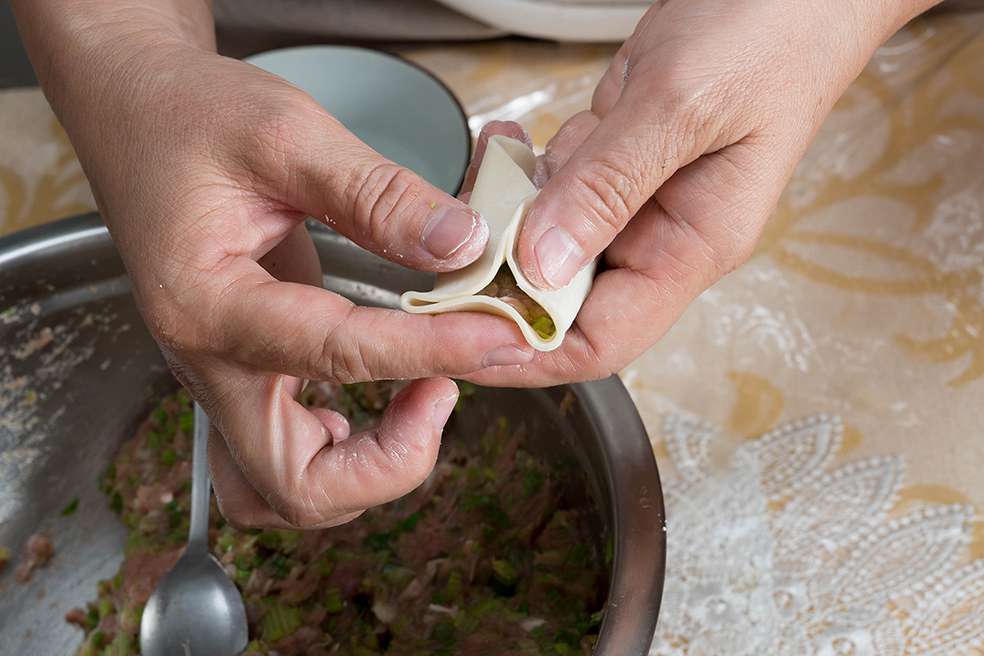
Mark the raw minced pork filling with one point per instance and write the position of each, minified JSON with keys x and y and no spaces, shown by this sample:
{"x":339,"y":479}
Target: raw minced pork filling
{"x":487,"y":557}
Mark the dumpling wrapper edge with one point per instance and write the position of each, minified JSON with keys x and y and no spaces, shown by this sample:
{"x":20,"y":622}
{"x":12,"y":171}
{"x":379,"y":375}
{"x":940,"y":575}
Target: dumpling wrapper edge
{"x":503,"y":192}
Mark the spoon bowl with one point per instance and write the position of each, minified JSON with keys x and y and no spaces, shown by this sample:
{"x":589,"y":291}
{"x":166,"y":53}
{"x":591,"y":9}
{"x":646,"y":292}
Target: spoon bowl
{"x":195,"y":610}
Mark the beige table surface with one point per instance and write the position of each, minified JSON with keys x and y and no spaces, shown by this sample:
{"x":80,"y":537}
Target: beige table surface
{"x":818,"y":415}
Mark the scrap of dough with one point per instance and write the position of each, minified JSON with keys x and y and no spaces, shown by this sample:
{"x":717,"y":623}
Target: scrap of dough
{"x":503,"y":192}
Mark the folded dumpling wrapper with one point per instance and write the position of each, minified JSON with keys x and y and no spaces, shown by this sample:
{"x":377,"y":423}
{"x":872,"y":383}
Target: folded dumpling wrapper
{"x":503,"y":192}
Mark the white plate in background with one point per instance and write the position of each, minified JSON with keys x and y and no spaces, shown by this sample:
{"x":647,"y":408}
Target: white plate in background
{"x":398,"y":108}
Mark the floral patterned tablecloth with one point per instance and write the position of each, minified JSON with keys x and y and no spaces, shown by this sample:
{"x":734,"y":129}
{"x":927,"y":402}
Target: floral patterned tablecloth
{"x":818,"y":415}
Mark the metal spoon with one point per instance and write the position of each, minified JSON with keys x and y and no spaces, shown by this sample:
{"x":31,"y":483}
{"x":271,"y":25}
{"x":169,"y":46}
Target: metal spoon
{"x":195,"y":610}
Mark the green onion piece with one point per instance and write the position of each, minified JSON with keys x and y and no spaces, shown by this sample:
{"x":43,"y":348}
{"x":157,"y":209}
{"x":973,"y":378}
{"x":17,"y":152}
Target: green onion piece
{"x":280,"y":565}
{"x":130,"y":619}
{"x":289,"y":539}
{"x":225,"y":541}
{"x":72,"y":506}
{"x":268,"y":539}
{"x":92,"y":617}
{"x":122,"y":645}
{"x":408,"y":523}
{"x":244,"y":561}
{"x":186,"y":422}
{"x":544,"y":327}
{"x":106,"y":608}
{"x":453,"y":590}
{"x":444,"y":632}
{"x":279,"y":621}
{"x":578,"y":556}
{"x":116,"y":502}
{"x":169,"y":457}
{"x":254,"y":647}
{"x":465,"y":391}
{"x":504,"y":571}
{"x":334,"y":603}
{"x":154,"y":439}
{"x":532,"y":482}
{"x":377,"y":541}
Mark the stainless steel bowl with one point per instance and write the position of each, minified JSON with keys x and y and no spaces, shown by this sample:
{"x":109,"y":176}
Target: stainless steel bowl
{"x":78,"y":371}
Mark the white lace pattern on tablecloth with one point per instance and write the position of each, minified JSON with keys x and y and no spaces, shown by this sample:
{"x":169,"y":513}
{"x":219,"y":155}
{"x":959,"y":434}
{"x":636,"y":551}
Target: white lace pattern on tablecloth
{"x":780,"y":551}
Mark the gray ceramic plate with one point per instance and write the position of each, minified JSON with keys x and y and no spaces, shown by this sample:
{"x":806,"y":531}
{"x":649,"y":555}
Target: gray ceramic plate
{"x":78,"y":371}
{"x":399,"y":109}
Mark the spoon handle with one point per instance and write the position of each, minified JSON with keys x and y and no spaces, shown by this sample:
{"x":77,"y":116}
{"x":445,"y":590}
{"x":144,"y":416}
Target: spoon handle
{"x":200,"y":485}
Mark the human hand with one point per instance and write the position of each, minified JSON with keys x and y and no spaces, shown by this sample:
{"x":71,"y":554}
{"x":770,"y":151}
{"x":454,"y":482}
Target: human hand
{"x":692,"y":134}
{"x":204,"y":168}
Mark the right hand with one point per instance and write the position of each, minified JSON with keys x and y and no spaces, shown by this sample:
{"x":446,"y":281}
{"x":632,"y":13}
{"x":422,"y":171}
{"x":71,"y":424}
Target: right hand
{"x":204,"y":168}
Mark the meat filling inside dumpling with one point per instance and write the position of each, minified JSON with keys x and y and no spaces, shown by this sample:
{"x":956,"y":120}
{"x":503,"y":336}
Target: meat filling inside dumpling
{"x":504,"y":288}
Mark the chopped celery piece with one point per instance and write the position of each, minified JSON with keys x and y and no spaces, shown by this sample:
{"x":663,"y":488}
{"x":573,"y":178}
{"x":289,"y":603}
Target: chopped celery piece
{"x":544,"y":327}
{"x":279,"y":621}
{"x":70,"y":509}
{"x":334,"y":603}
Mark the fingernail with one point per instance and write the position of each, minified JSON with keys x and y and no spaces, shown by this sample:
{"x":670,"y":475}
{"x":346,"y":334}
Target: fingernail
{"x":507,"y":355}
{"x":558,"y":256}
{"x":449,"y":229}
{"x":442,"y":410}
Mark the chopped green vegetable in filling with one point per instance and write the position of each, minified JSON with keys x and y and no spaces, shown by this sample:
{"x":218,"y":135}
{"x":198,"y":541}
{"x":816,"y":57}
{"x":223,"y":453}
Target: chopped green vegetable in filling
{"x":70,"y":509}
{"x":488,"y":553}
{"x":504,"y":288}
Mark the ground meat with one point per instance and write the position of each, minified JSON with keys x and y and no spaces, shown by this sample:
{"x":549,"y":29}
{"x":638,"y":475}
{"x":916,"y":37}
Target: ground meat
{"x":505,"y":288}
{"x":76,"y":616}
{"x":487,"y":557}
{"x":37,"y":553}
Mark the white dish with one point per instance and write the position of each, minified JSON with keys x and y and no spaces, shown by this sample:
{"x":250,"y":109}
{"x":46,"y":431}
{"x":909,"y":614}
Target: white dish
{"x":398,"y":108}
{"x":594,"y":22}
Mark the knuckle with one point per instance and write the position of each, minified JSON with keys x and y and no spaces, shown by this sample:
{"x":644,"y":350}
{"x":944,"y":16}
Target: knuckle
{"x":728,"y":249}
{"x":170,"y":329}
{"x":384,"y":198}
{"x":279,"y":125}
{"x":743,"y":250}
{"x":234,"y":513}
{"x":295,"y":513}
{"x":344,"y":364}
{"x":606,"y":195}
{"x":343,"y":357}
{"x":276,"y":133}
{"x":417,"y":465}
{"x":238,"y":519}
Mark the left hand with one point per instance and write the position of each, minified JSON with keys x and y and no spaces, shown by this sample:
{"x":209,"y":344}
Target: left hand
{"x":692,"y":134}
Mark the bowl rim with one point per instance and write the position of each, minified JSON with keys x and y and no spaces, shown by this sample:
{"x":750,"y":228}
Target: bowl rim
{"x":632,"y":481}
{"x":397,"y":58}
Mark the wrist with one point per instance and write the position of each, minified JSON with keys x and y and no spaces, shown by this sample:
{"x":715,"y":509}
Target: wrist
{"x":85,"y":52}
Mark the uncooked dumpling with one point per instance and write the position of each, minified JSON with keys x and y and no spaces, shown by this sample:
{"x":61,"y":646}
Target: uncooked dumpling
{"x":494,"y":282}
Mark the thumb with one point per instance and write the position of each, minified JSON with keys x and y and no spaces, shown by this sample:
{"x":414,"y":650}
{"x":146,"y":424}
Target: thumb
{"x":385,"y":208}
{"x":591,"y":198}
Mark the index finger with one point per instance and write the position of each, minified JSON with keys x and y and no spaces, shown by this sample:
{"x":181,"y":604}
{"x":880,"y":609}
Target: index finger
{"x":307,"y":332}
